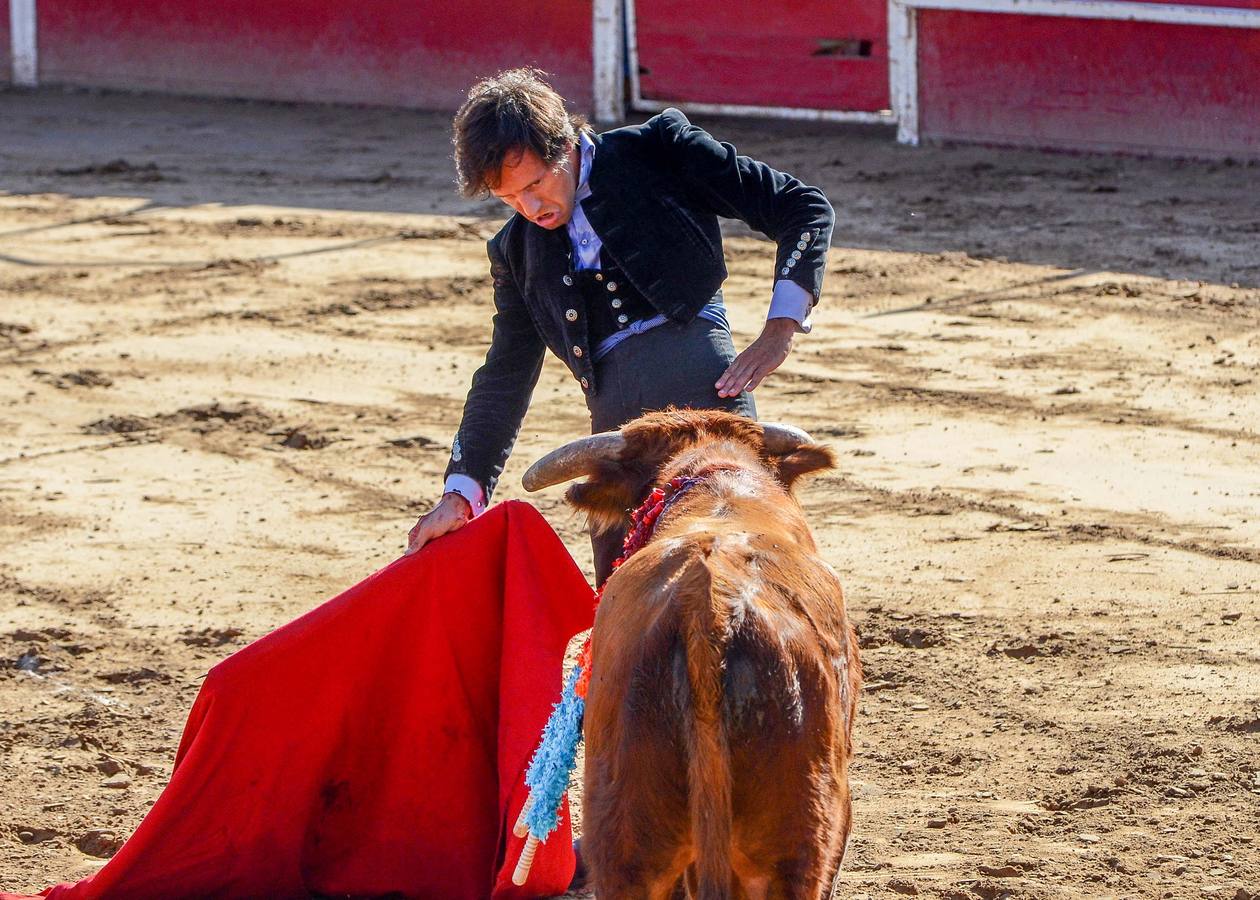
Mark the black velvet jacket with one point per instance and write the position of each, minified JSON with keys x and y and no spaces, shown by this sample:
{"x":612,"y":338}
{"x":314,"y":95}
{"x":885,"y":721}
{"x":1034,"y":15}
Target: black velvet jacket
{"x":657,"y":190}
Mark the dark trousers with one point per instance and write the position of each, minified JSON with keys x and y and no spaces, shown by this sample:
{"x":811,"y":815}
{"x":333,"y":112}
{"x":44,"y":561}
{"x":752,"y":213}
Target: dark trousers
{"x":671,"y":365}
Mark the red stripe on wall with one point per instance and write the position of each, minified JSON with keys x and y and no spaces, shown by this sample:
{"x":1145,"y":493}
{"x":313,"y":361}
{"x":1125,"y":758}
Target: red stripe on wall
{"x":386,"y":51}
{"x":812,"y":54}
{"x":1071,"y":83}
{"x":6,"y":45}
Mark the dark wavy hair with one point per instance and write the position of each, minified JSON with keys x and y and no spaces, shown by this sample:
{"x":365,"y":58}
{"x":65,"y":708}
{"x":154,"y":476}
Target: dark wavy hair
{"x":511,"y":112}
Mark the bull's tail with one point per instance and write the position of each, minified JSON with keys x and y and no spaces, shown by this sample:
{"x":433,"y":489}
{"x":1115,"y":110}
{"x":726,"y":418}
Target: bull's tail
{"x":709,"y":759}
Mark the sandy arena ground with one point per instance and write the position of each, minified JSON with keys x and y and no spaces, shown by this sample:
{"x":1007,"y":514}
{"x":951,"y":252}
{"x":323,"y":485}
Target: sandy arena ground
{"x":235,"y":340}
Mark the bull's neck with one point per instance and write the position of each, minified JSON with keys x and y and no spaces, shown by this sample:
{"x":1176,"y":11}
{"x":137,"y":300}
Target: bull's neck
{"x":711,"y":486}
{"x":657,"y":503}
{"x":726,"y":492}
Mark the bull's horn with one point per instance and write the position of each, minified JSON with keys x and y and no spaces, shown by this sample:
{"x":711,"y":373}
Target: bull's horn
{"x":781,"y":439}
{"x":573,"y":460}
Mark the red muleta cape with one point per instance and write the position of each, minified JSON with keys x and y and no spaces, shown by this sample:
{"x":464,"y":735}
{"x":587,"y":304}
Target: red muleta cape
{"x":378,"y":744}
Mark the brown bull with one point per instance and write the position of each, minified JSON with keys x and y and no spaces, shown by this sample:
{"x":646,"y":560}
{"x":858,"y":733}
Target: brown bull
{"x":725,"y":673}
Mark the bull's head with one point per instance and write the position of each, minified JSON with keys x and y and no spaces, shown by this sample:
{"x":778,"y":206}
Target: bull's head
{"x":622,"y":466}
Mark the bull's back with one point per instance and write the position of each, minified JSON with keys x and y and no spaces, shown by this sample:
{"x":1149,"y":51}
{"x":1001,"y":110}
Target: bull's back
{"x":789,"y":681}
{"x":775,"y":617}
{"x":636,"y":814}
{"x":787,"y":662}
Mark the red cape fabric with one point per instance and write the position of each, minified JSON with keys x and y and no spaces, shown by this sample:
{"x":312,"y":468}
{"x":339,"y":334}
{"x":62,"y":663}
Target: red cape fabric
{"x":378,"y":744}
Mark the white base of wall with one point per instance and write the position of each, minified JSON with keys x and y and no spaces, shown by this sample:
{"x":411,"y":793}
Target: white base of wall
{"x":883,"y":117}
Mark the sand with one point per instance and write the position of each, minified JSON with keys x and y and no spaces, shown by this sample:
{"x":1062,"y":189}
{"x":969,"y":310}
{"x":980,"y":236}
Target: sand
{"x":235,"y":340}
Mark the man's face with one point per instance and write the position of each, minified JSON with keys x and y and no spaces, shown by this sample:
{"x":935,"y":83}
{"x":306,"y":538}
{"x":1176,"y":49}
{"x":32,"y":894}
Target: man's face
{"x":540,"y":192}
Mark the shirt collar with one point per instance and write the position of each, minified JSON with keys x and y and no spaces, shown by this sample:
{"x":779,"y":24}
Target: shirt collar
{"x":586,"y":147}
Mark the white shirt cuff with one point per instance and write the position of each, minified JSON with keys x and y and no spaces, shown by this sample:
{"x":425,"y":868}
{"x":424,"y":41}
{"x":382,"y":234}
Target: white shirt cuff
{"x":469,"y":489}
{"x":791,"y":301}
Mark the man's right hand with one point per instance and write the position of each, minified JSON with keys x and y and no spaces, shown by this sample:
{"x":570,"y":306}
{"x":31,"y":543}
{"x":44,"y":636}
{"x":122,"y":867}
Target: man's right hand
{"x":452,"y":512}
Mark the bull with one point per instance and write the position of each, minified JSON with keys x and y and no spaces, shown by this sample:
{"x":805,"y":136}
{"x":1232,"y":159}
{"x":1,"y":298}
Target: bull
{"x":725,"y":672}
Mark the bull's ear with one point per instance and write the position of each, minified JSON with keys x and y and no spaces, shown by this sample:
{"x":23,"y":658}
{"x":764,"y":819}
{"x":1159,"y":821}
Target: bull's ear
{"x":607,"y":495}
{"x":802,"y":461}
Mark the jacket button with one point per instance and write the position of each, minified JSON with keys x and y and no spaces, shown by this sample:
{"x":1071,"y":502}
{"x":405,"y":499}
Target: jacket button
{"x":568,"y":280}
{"x":623,"y":318}
{"x":585,"y":384}
{"x":615,"y":303}
{"x":785,"y":270}
{"x":796,"y":254}
{"x":801,"y":245}
{"x":805,"y":235}
{"x":791,"y":262}
{"x":571,"y":315}
{"x":612,"y":285}
{"x":599,"y":276}
{"x":577,"y":351}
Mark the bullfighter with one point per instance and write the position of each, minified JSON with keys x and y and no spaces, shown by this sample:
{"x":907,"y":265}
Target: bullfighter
{"x":613,"y":261}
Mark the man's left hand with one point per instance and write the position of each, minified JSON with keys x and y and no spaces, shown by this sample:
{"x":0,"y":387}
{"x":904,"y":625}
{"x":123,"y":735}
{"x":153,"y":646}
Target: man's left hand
{"x":759,"y":359}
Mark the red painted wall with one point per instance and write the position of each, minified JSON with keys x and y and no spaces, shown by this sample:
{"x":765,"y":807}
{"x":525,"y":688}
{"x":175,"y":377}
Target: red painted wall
{"x":6,"y":60}
{"x":764,"y":54}
{"x":420,"y":54}
{"x":1097,"y":85}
